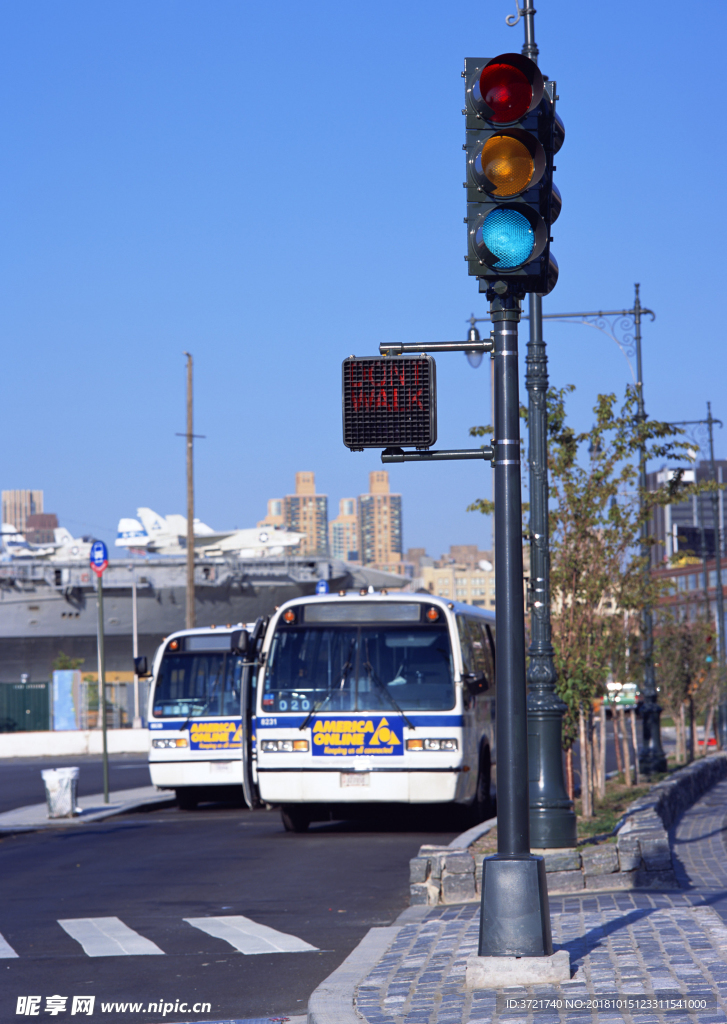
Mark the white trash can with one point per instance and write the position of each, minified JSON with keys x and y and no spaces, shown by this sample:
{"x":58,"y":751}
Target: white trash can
{"x":61,"y":789}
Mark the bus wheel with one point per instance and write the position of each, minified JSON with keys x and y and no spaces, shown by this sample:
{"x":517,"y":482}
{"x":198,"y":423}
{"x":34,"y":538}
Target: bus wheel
{"x":295,"y":818}
{"x":187,"y":799}
{"x":483,"y":806}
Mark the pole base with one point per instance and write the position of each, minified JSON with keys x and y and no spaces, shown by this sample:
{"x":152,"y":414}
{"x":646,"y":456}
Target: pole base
{"x":722,"y":726}
{"x":504,"y":971}
{"x":552,"y":828}
{"x":515,"y":918}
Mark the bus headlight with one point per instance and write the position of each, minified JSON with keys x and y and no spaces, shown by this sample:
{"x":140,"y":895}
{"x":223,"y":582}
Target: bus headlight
{"x":283,"y":746}
{"x":165,"y":744}
{"x":432,"y":744}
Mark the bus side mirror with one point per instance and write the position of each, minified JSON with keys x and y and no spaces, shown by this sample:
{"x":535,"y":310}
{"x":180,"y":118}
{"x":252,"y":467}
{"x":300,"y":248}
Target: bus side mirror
{"x":476,"y":682}
{"x":239,"y":641}
{"x":140,"y":666}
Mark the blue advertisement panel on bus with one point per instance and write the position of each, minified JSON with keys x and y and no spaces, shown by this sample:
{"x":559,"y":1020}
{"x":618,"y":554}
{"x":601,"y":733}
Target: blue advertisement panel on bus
{"x":367,"y":734}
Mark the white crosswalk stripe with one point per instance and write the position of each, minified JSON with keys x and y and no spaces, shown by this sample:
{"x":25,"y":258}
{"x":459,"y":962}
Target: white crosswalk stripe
{"x":6,"y":950}
{"x":248,"y":936}
{"x":108,"y":936}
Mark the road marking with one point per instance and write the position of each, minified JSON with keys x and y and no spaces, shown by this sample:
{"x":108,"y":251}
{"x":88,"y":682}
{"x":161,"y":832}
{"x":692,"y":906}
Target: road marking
{"x":6,"y":950}
{"x":248,"y":936}
{"x":107,"y":936}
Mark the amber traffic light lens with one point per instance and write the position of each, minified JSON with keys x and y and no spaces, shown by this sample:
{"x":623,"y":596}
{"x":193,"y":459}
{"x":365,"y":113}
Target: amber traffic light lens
{"x":506,"y":91}
{"x":507,"y":163}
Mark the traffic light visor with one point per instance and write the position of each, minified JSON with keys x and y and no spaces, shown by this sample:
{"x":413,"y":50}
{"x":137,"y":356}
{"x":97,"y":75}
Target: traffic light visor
{"x":506,"y":91}
{"x":509,"y":236}
{"x":507,"y":163}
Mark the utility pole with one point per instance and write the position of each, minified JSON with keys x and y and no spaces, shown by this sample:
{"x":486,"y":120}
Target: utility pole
{"x":552,"y":818}
{"x":190,"y":618}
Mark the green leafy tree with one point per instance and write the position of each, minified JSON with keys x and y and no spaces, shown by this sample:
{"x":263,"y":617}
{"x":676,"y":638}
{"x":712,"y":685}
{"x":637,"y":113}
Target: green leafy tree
{"x":598,"y":578}
{"x":63,"y":662}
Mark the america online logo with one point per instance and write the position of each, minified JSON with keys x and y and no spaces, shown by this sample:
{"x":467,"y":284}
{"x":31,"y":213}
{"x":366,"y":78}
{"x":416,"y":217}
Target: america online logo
{"x":367,"y":735}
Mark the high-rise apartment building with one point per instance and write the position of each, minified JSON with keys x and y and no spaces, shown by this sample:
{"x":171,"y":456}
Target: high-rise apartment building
{"x":18,"y":505}
{"x":380,"y":519}
{"x":303,"y":512}
{"x":39,"y":528}
{"x":275,"y":516}
{"x":344,"y":532}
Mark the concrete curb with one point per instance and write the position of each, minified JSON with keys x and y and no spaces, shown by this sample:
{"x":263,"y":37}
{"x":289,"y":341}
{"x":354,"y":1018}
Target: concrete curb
{"x":332,"y":1001}
{"x":34,"y":817}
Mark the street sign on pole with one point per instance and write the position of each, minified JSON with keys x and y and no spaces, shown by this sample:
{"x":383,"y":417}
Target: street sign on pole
{"x":99,"y":559}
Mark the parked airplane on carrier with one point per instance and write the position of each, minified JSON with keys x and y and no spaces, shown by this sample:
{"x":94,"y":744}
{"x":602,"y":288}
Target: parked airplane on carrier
{"x":65,"y":547}
{"x":167,"y":535}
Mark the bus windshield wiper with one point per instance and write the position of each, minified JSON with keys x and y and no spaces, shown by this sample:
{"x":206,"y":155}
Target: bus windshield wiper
{"x":347,"y":666}
{"x":382,"y":686}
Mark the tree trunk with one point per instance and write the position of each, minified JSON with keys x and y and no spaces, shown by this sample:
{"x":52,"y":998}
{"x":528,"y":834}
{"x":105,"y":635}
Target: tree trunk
{"x":602,"y":759}
{"x":708,"y":725}
{"x":569,"y":785}
{"x":617,"y":741}
{"x":586,"y":809}
{"x":681,"y":736}
{"x":692,"y":731}
{"x":625,"y":747}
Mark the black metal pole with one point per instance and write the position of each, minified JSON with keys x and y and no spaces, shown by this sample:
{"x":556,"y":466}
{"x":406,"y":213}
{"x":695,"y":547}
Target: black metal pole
{"x":515,"y":919}
{"x":722,"y":708}
{"x":651,"y":756}
{"x":552,"y":818}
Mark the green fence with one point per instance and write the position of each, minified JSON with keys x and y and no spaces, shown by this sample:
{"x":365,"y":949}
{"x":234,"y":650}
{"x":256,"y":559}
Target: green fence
{"x":24,"y":707}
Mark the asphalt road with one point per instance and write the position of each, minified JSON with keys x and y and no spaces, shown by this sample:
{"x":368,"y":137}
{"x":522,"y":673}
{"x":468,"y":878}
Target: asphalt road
{"x":152,"y":870}
{"x":21,"y":783}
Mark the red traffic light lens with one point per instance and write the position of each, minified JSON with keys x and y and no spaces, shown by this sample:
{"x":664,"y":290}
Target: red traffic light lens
{"x":506,"y":91}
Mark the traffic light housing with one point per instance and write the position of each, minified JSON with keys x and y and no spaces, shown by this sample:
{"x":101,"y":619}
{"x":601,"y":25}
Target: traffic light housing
{"x":513,"y":133}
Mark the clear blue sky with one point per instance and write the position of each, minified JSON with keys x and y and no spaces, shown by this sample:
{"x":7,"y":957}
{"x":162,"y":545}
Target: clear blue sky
{"x":276,"y":186}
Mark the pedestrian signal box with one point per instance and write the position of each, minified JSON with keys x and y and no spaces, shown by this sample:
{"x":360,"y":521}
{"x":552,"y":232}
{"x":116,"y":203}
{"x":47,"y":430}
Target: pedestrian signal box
{"x":389,"y":402}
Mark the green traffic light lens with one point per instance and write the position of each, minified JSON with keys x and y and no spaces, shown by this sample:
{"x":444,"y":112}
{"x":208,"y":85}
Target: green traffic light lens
{"x":509,"y":236}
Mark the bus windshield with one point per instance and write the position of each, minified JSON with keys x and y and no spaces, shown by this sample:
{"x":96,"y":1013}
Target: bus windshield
{"x":198,"y":685}
{"x":359,"y":668}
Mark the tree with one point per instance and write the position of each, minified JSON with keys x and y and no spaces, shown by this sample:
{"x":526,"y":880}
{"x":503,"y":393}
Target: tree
{"x":598,"y":577}
{"x":63,"y":662}
{"x":684,"y":647}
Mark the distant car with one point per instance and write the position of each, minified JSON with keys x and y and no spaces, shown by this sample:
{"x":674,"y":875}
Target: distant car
{"x":621,"y":695}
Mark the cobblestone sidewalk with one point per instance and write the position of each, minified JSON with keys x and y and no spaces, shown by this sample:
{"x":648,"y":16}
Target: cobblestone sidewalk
{"x":620,"y":944}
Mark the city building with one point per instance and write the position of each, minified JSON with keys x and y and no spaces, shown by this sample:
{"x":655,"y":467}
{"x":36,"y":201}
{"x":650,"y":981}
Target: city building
{"x":344,"y":532}
{"x":380,"y":525}
{"x":303,"y":512}
{"x":18,"y":505}
{"x":464,"y":574}
{"x":275,"y":517}
{"x":687,"y":526}
{"x":40,"y":526}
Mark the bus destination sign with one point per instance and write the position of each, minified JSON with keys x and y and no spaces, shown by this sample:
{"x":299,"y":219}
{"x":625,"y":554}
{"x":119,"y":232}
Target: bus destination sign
{"x":389,"y":402}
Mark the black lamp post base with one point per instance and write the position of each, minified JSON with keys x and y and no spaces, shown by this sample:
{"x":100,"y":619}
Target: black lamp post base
{"x":552,"y":828}
{"x":515,"y":919}
{"x":722,"y":726}
{"x":652,"y":758}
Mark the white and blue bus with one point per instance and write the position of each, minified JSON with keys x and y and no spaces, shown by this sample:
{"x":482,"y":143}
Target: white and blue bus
{"x":370,"y":699}
{"x":200,"y":713}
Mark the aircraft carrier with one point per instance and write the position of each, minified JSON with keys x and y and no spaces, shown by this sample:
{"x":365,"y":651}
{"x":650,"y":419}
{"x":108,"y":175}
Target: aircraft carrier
{"x":50,"y":606}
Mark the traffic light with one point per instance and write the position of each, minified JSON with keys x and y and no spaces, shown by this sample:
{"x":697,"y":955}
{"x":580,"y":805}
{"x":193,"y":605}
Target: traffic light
{"x":389,"y":402}
{"x":513,"y":134}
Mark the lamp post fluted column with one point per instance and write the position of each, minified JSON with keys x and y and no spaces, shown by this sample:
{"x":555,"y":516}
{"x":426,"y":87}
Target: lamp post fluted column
{"x":552,"y":818}
{"x":651,"y":756}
